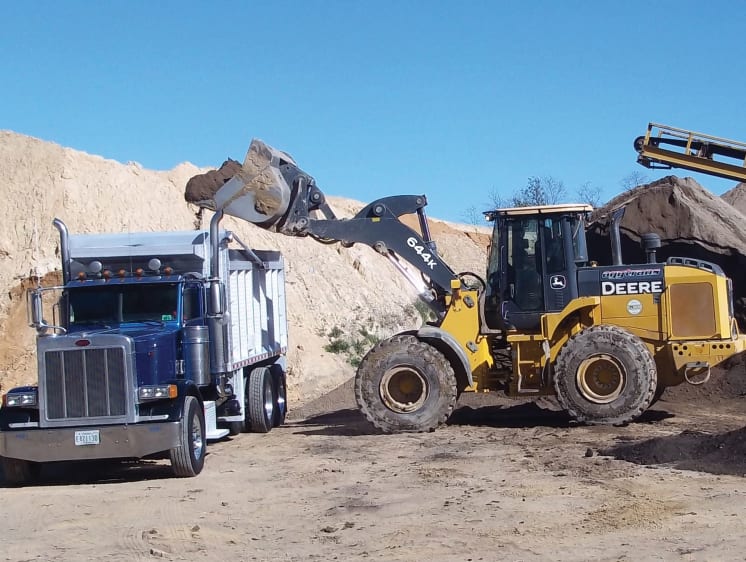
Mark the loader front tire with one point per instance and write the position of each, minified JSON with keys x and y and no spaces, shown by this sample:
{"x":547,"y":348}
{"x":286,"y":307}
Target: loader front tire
{"x":405,"y":385}
{"x":605,"y":375}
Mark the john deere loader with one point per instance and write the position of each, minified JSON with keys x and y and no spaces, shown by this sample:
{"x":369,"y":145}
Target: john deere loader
{"x":542,"y":320}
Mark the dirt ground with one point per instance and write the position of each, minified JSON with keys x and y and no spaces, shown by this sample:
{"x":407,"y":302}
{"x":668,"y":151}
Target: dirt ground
{"x":504,"y":480}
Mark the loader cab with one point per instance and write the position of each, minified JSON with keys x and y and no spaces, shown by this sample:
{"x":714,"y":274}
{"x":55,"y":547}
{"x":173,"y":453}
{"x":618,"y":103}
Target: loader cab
{"x":533,"y":263}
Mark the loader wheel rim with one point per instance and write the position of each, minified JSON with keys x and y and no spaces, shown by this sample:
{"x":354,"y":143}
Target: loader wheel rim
{"x":403,"y":389}
{"x":601,"y":378}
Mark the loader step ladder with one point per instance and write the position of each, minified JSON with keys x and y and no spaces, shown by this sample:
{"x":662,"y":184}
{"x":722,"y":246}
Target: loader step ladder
{"x":665,"y":147}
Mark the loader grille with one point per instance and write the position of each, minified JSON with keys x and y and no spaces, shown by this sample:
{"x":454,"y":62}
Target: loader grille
{"x":85,"y":383}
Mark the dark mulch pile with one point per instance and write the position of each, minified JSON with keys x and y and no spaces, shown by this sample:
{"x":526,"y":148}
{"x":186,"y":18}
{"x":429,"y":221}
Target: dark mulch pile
{"x":200,"y":189}
{"x":723,"y":453}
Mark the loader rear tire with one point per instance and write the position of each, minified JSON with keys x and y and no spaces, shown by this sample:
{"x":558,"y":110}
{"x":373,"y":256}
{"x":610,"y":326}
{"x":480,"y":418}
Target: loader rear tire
{"x":261,"y":400}
{"x":605,"y":375}
{"x":405,"y":385}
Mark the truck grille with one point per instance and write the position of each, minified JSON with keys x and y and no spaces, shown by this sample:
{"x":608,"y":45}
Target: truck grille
{"x":84,"y":383}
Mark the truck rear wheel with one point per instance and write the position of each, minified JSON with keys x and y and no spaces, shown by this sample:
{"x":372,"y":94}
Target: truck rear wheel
{"x":261,"y":400}
{"x":19,"y":471}
{"x":188,"y":458}
{"x":605,"y":375}
{"x":404,"y":384}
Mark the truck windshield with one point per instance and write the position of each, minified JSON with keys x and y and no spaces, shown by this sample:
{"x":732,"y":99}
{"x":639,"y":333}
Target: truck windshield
{"x":114,"y":304}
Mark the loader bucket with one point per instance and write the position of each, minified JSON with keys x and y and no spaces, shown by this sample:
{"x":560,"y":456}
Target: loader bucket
{"x":258,"y":193}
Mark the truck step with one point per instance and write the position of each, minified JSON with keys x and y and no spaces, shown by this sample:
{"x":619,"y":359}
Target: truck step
{"x":212,"y":432}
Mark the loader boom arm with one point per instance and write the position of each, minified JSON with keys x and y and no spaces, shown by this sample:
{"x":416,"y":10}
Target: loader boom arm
{"x":273,"y":192}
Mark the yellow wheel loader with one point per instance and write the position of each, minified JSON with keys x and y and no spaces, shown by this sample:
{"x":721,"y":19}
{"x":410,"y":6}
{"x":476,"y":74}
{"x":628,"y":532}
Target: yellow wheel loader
{"x":544,"y":320}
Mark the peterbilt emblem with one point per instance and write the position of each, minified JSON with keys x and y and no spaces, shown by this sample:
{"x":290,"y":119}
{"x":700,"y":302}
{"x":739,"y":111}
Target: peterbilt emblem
{"x":557,"y":282}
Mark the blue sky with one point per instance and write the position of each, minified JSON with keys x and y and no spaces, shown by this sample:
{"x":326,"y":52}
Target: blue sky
{"x":451,"y":99}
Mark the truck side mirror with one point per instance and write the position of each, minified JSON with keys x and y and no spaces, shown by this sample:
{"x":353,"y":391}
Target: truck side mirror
{"x":217,"y":299}
{"x":34,"y":310}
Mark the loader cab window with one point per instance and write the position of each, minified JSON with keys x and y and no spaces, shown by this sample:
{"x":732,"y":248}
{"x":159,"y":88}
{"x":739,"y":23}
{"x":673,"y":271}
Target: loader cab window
{"x":529,"y":271}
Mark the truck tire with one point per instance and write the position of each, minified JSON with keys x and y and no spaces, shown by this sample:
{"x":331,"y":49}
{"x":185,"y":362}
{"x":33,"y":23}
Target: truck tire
{"x":261,"y":400}
{"x":18,"y":471}
{"x":281,"y":396}
{"x":605,"y":375}
{"x":405,"y":385}
{"x":188,"y":458}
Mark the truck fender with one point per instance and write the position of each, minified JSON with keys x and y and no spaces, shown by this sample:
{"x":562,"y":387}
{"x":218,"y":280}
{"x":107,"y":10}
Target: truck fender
{"x":280,"y":362}
{"x":450,"y":347}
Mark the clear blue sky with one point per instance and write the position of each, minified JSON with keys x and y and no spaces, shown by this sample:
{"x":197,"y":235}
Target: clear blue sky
{"x":450,"y":99}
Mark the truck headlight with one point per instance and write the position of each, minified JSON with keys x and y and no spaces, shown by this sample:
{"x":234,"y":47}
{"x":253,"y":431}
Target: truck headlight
{"x":157,"y":392}
{"x":21,"y":399}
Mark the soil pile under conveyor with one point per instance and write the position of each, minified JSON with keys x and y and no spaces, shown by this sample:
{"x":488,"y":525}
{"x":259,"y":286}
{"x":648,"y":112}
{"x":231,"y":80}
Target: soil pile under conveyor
{"x":737,"y":197}
{"x":691,"y":221}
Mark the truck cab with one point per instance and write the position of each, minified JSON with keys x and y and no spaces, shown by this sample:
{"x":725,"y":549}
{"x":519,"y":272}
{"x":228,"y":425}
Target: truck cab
{"x":157,"y":343}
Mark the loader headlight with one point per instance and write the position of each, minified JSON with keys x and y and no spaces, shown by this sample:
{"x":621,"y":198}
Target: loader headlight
{"x":21,"y":398}
{"x":157,"y":392}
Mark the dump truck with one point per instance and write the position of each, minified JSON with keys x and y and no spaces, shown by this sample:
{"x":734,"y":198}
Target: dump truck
{"x":159,"y":342}
{"x":544,"y":320}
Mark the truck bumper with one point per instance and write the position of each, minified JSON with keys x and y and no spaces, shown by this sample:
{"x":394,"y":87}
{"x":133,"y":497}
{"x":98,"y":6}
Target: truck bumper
{"x":115,"y":441}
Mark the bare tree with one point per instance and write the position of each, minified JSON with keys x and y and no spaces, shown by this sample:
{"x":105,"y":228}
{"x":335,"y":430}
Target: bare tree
{"x":632,"y":180}
{"x":540,"y":191}
{"x":472,"y":216}
{"x":588,"y":193}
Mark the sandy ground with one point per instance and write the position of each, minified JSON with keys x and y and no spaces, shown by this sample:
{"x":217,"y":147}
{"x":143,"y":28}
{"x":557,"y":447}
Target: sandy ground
{"x":504,"y":481}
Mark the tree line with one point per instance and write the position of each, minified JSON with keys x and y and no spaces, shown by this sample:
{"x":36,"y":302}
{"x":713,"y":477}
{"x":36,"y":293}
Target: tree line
{"x":548,"y":190}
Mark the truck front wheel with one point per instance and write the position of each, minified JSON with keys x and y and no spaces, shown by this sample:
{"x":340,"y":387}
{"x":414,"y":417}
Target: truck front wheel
{"x":404,"y":384}
{"x":188,"y":458}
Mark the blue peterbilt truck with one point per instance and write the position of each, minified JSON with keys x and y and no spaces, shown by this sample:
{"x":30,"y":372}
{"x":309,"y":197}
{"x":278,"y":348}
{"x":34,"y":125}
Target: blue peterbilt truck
{"x":159,"y":341}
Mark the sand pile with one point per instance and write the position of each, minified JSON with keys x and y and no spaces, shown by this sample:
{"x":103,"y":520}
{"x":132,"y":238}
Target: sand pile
{"x":329,"y":287}
{"x":737,"y":197}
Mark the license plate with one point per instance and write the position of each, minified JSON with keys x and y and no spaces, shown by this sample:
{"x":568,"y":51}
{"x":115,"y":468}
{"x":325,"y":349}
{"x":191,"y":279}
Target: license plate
{"x":91,"y":437}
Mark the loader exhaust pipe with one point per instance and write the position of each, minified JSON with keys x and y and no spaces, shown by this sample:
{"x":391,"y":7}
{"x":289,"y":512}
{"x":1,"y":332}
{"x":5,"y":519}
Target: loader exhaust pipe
{"x":64,"y":249}
{"x":616,"y":239}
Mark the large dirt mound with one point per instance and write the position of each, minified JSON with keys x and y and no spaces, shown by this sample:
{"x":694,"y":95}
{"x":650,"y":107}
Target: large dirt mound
{"x":691,"y":221}
{"x":328,"y":287}
{"x":737,"y":197}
